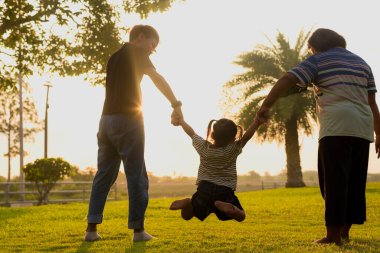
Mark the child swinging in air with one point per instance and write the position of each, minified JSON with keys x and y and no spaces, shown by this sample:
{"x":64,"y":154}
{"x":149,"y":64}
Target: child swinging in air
{"x":217,"y":177}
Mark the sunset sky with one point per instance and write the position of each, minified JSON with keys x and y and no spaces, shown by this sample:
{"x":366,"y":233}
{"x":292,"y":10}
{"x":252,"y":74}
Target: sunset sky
{"x":199,"y":42}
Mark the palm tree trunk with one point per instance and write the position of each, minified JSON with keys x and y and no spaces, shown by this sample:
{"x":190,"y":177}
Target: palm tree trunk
{"x":292,"y":148}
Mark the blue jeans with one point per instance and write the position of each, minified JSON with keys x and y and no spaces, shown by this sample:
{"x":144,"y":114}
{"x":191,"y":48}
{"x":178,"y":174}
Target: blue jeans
{"x":120,"y":138}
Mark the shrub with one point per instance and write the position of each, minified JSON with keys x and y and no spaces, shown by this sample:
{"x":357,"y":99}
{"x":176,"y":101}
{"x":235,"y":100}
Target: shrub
{"x":44,"y":173}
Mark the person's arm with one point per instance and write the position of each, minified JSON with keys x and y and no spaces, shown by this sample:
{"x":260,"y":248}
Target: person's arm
{"x":187,"y":128}
{"x":376,"y":120}
{"x":282,"y":85}
{"x":163,"y":86}
{"x":250,"y":132}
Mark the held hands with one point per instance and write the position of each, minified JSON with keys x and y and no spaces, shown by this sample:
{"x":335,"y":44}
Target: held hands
{"x":262,"y":116}
{"x":377,"y":146}
{"x":177,"y":116}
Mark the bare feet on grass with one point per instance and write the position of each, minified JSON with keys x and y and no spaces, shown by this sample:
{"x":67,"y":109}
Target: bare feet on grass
{"x":326,"y":240}
{"x":345,"y":232}
{"x":142,"y":236}
{"x":185,"y":206}
{"x":230,"y":210}
{"x":333,"y":236}
{"x":180,"y":204}
{"x":92,"y":236}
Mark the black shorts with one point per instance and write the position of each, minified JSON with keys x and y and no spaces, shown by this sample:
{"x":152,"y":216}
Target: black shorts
{"x":207,"y":193}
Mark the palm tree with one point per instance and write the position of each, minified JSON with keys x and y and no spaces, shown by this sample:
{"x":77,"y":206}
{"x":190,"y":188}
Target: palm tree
{"x":294,"y":112}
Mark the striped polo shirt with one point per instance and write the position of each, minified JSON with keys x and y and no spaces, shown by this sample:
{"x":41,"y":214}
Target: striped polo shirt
{"x":217,"y":165}
{"x":341,"y":82}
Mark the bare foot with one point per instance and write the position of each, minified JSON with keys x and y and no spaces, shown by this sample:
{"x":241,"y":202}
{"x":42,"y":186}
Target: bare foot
{"x":180,"y":204}
{"x":185,"y":206}
{"x":326,"y":240}
{"x":345,"y":232}
{"x":230,"y":210}
{"x":142,"y":236}
{"x":92,"y":236}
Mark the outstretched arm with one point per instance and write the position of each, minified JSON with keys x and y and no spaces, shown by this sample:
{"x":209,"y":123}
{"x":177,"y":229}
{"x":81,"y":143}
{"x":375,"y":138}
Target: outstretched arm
{"x":282,"y":85}
{"x":376,"y":119}
{"x":163,"y":86}
{"x":250,"y":132}
{"x":187,"y":128}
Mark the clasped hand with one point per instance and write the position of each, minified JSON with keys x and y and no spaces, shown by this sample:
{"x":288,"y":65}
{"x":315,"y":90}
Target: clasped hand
{"x":176,"y":117}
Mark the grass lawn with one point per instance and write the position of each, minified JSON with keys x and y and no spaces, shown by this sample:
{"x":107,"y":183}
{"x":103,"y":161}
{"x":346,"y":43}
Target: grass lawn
{"x":280,"y":220}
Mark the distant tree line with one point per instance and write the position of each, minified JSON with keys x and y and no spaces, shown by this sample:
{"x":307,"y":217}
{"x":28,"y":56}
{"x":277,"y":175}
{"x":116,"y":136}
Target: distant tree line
{"x":88,"y":175}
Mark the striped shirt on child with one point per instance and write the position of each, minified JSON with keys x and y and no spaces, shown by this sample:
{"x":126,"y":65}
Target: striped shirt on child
{"x":217,"y":165}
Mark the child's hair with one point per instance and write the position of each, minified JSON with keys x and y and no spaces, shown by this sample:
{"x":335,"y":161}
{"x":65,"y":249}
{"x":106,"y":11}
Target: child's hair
{"x":223,"y":132}
{"x":147,"y":30}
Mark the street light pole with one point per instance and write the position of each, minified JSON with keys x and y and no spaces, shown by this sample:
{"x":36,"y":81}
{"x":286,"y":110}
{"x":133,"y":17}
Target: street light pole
{"x":22,"y":179}
{"x":46,"y":119}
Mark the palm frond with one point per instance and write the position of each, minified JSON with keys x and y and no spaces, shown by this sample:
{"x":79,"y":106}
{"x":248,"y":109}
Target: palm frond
{"x":301,"y":40}
{"x":257,"y":85}
{"x":267,"y":50}
{"x":247,"y":113}
{"x":287,"y":56}
{"x":260,"y":63}
{"x":240,"y":79}
{"x":274,"y":46}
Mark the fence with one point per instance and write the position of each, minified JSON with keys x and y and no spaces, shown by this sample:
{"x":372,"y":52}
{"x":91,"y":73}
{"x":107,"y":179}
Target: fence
{"x":79,"y":191}
{"x":266,"y":185}
{"x":62,"y":192}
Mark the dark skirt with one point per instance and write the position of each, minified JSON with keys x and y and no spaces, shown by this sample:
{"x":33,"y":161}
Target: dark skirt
{"x":342,"y":171}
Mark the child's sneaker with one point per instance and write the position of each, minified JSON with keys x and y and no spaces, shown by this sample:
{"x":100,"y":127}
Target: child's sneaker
{"x":142,"y":236}
{"x":92,"y":236}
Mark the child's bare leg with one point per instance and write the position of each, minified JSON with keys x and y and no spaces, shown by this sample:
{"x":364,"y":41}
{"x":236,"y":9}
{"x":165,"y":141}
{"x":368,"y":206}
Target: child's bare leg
{"x":185,"y":206}
{"x":230,"y":210}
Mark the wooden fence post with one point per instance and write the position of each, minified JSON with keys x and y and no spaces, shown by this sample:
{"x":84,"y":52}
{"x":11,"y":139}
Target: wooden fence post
{"x":84,"y":193}
{"x":115,"y":191}
{"x":7,"y":194}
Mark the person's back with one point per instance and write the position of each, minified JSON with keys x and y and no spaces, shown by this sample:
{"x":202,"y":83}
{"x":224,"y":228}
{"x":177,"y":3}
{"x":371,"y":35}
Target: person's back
{"x":348,"y":115}
{"x":341,"y":81}
{"x":125,"y":70}
{"x":344,"y":74}
{"x":217,"y":164}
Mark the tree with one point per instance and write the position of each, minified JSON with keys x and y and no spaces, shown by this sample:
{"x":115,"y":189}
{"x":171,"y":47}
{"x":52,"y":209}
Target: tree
{"x":292,"y":113}
{"x":44,"y":173}
{"x":68,"y":37}
{"x":87,"y":174}
{"x":9,"y":120}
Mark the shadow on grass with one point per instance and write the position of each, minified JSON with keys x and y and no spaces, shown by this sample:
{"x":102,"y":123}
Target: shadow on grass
{"x":362,"y":245}
{"x":136,"y":247}
{"x":84,"y":247}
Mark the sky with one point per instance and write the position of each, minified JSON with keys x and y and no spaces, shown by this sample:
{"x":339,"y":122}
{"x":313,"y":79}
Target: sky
{"x":199,"y":41}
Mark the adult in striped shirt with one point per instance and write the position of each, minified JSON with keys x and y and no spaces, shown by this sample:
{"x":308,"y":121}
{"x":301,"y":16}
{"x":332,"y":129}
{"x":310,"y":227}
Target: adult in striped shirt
{"x":217,"y":177}
{"x":348,"y":116}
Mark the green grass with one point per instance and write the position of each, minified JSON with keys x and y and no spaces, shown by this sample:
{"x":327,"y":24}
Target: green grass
{"x":280,"y":220}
